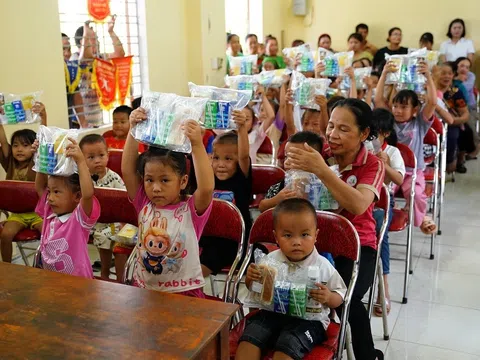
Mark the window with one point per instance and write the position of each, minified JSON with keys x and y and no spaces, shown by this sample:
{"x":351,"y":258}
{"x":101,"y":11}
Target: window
{"x":73,"y":15}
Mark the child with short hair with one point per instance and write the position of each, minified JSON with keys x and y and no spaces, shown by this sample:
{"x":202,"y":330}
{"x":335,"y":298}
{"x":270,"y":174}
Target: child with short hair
{"x":120,"y":129}
{"x":384,"y":123}
{"x":278,"y":192}
{"x":69,"y":210}
{"x":412,"y":122}
{"x":17,"y":161}
{"x":295,"y":230}
{"x":170,"y":223}
{"x":233,"y":174}
{"x":94,"y":148}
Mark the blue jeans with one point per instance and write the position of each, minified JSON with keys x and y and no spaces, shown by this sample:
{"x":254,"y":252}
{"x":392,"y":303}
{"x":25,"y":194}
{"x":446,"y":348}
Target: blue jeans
{"x":385,"y":252}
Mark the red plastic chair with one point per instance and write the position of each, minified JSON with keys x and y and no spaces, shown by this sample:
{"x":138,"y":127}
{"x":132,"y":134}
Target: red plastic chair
{"x":266,"y":148}
{"x":20,"y":197}
{"x":336,"y":236}
{"x":225,"y":221}
{"x":264,"y":176}
{"x":281,"y":154}
{"x":115,"y":161}
{"x":402,"y":220}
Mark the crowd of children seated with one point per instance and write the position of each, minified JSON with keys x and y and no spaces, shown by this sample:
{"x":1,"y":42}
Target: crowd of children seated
{"x":347,"y":140}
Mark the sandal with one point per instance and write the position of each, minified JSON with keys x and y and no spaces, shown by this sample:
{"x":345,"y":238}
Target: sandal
{"x":377,"y":309}
{"x":428,"y":226}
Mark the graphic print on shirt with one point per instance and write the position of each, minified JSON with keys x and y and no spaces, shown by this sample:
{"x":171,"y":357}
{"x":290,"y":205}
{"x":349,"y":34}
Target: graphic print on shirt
{"x":55,"y":257}
{"x":160,"y":254}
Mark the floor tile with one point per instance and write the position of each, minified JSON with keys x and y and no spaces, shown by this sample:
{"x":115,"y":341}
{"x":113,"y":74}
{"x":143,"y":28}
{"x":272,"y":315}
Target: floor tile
{"x":437,"y":325}
{"x":398,"y":350}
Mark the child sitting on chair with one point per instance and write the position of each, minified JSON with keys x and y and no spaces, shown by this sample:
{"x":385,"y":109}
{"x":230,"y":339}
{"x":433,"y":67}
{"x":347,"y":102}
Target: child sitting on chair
{"x":69,"y":210}
{"x":233,"y":180}
{"x":94,"y":149}
{"x":278,"y":192}
{"x":16,"y":159}
{"x":120,"y":129}
{"x":295,"y":230}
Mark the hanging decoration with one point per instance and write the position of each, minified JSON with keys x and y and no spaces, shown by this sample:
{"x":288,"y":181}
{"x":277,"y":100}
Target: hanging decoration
{"x":98,"y":9}
{"x":123,"y":76}
{"x":104,"y":81}
{"x":73,"y":75}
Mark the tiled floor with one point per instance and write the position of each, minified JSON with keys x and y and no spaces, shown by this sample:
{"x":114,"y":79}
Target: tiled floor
{"x":442,"y":317}
{"x":441,"y":320}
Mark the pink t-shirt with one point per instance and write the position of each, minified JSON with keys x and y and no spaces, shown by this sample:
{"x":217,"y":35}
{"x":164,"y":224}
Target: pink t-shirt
{"x":167,"y":247}
{"x":64,"y":240}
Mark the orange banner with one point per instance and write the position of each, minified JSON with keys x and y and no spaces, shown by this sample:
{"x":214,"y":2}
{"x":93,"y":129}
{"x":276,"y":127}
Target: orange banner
{"x":123,"y":77}
{"x":104,"y":81}
{"x":98,"y":9}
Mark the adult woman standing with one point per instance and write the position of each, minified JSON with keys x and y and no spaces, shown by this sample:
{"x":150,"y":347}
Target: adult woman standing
{"x":393,"y":48}
{"x":457,"y":46}
{"x":356,"y":190}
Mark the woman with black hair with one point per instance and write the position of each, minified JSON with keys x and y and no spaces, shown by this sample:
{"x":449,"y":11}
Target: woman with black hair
{"x":356,"y":190}
{"x":426,"y":41}
{"x":393,"y":48}
{"x":457,"y":46}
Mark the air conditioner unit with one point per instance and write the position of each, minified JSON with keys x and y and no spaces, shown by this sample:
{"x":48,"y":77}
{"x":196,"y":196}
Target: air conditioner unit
{"x":299,"y":7}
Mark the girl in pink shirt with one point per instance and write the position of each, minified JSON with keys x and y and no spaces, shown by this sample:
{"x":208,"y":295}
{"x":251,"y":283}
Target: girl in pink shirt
{"x":170,"y":224}
{"x":69,"y":211}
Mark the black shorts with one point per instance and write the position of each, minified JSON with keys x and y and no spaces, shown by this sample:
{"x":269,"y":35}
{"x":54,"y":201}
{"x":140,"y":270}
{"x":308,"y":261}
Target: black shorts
{"x":291,"y":336}
{"x":217,"y":253}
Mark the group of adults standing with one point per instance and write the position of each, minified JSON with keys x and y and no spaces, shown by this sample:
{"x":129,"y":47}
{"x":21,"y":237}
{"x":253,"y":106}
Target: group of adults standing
{"x":83,"y":104}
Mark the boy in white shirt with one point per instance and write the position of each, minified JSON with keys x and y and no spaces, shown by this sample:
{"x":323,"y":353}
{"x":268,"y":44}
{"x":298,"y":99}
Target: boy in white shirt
{"x":94,"y":148}
{"x":384,"y":122}
{"x":295,"y":230}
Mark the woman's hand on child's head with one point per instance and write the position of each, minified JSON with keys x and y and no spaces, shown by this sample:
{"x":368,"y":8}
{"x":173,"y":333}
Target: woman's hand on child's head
{"x":319,"y":69}
{"x":321,"y":101}
{"x":287,"y":193}
{"x":74,"y":152}
{"x":307,"y":159}
{"x":321,"y":294}
{"x":193,"y":132}
{"x":138,"y":115}
{"x":239,"y":118}
{"x":254,"y":273}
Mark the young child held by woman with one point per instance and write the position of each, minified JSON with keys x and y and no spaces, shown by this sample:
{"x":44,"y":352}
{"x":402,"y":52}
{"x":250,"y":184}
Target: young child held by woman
{"x":94,"y":148}
{"x":412,"y":121}
{"x":170,"y":223}
{"x":69,"y":210}
{"x":16,"y":159}
{"x":295,"y":230}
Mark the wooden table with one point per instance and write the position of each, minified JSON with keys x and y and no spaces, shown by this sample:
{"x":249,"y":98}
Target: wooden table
{"x":47,"y":315}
